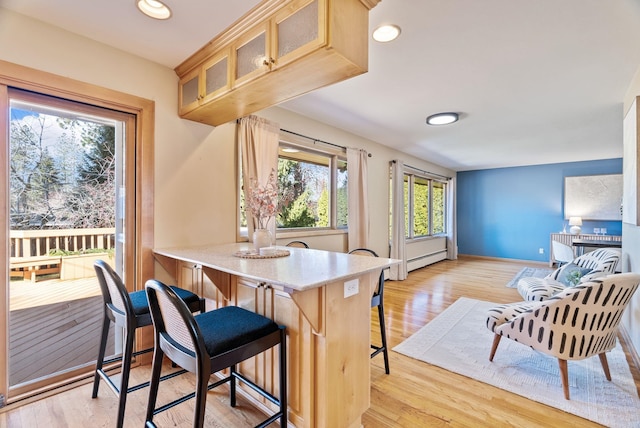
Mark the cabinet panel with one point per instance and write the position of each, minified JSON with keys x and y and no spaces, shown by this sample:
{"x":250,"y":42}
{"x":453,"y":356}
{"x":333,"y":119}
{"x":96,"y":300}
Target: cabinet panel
{"x":251,"y":53}
{"x":204,"y":83}
{"x":298,"y":29}
{"x":189,"y":278}
{"x":189,"y":92}
{"x":215,"y":77}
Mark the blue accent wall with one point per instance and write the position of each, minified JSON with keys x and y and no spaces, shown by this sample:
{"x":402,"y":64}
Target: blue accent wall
{"x":510,"y":212}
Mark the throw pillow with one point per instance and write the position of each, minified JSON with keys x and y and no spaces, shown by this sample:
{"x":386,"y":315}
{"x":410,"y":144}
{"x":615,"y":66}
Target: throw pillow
{"x":571,"y":274}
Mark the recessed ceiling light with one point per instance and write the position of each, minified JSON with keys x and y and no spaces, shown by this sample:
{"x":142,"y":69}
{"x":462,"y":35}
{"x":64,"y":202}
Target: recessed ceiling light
{"x":442,"y":118}
{"x":154,"y":9}
{"x":386,"y":33}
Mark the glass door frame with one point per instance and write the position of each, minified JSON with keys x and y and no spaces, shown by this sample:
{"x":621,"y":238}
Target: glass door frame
{"x":138,"y":251}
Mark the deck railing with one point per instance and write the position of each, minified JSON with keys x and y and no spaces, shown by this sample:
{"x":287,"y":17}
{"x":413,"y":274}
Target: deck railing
{"x":34,"y":243}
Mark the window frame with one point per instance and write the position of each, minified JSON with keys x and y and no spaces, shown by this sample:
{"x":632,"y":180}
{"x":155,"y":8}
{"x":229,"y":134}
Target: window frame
{"x":409,"y":177}
{"x":335,"y":155}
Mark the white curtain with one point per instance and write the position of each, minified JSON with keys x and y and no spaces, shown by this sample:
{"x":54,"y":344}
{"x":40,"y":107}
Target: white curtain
{"x":398,"y":272}
{"x":358,"y":190}
{"x":258,"y":139}
{"x":452,"y":227}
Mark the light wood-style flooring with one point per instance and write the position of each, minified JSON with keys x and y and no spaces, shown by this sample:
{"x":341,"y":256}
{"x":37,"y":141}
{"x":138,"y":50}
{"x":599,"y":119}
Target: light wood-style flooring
{"x":415,"y":394}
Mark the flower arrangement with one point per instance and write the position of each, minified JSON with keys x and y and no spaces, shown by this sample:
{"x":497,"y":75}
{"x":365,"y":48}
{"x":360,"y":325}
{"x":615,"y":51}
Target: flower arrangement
{"x":263,"y":200}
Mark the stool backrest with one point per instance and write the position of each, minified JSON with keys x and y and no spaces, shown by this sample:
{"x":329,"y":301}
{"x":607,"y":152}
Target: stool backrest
{"x":174,"y":325}
{"x":375,"y":301}
{"x":298,"y":244}
{"x":114,"y":292}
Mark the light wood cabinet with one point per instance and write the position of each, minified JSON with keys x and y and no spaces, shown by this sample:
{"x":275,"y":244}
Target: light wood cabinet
{"x":328,"y":383}
{"x":278,"y":51}
{"x":205,"y":83}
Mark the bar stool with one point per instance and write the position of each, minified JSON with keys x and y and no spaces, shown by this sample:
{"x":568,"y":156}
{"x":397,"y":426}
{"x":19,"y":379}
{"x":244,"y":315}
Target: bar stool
{"x":208,"y":343}
{"x":377,"y":301}
{"x":127,"y":311}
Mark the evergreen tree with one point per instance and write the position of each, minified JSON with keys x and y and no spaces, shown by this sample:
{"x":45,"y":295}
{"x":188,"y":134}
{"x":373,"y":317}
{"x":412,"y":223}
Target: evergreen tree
{"x":100,"y":157}
{"x":295,"y":209}
{"x":323,"y":209}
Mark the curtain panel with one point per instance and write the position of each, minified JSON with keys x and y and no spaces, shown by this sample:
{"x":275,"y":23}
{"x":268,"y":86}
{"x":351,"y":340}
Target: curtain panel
{"x":452,"y":235}
{"x":358,"y":191}
{"x":259,"y":140}
{"x":398,"y":249}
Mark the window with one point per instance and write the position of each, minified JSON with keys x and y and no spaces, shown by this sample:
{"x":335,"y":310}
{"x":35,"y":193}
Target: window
{"x":425,"y":206}
{"x":312,"y":185}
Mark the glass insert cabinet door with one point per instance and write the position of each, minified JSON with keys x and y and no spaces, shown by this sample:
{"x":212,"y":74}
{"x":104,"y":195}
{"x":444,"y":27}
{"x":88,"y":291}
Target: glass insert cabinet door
{"x":252,"y":55}
{"x":205,"y":83}
{"x":298,"y":29}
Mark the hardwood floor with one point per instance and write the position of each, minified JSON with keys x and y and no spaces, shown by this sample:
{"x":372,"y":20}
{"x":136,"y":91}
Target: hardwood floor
{"x":415,"y":394}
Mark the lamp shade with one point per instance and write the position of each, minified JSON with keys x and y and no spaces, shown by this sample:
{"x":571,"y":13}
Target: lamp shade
{"x":575,"y":223}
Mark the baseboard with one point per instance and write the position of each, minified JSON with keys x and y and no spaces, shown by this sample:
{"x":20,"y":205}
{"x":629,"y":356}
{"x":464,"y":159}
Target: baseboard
{"x":426,"y":260}
{"x":628,"y":346}
{"x":501,"y":259}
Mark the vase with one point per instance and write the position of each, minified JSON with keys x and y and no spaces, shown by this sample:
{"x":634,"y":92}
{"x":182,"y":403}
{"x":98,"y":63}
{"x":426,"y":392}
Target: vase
{"x":261,"y":239}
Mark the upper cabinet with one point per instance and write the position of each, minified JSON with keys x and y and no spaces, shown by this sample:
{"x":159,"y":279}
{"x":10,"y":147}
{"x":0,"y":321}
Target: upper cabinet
{"x":279,"y":50}
{"x":205,"y":82}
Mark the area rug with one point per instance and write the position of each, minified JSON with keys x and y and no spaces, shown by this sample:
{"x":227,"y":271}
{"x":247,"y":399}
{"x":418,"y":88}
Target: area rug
{"x":528,"y":272}
{"x":457,"y":340}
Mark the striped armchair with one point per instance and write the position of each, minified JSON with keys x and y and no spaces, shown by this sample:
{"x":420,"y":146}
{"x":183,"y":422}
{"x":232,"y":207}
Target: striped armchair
{"x":575,"y":324}
{"x":601,"y":262}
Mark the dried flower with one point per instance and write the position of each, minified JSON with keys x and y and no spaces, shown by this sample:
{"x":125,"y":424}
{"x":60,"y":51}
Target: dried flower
{"x":263,"y":200}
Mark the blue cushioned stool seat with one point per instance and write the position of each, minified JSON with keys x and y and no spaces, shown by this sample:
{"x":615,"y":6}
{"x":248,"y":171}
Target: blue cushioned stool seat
{"x":231,"y":327}
{"x":140,"y":301}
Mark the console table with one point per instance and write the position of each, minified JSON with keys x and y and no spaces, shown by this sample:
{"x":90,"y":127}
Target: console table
{"x":324,"y":299}
{"x":586,"y":239}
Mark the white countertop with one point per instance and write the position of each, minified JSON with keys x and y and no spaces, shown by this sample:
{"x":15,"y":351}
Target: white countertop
{"x":303,"y":269}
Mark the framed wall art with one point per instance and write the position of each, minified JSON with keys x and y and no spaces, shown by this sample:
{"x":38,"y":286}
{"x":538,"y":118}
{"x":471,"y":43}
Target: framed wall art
{"x":593,"y":197}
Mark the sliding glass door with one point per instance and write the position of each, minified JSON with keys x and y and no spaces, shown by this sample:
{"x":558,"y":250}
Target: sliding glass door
{"x":68,"y":181}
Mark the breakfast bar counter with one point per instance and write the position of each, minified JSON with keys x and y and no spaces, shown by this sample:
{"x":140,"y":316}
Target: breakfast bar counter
{"x":324,"y":299}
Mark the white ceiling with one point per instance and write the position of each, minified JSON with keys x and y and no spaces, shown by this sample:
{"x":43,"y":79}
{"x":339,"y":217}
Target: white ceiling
{"x":535,"y":81}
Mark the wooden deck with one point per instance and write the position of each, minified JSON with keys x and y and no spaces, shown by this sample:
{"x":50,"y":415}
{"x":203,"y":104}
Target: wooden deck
{"x":54,"y":326}
{"x":28,"y":294}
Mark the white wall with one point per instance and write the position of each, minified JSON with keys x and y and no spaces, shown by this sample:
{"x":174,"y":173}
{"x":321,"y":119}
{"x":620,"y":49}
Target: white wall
{"x":195,"y":200}
{"x":631,"y":242}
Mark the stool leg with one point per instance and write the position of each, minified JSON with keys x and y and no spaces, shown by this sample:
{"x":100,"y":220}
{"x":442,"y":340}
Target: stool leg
{"x":154,"y":383}
{"x":124,"y":373}
{"x":106,"y":322}
{"x":232,"y":386}
{"x":202,"y":384}
{"x":383,"y":336}
{"x":283,"y":378}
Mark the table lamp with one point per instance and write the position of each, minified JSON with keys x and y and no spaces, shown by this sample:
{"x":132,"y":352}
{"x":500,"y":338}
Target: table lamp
{"x":575,"y":223}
